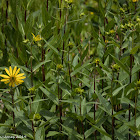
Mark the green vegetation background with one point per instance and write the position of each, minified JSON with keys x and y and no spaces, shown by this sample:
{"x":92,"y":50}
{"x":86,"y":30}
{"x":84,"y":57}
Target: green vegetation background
{"x":82,"y":78}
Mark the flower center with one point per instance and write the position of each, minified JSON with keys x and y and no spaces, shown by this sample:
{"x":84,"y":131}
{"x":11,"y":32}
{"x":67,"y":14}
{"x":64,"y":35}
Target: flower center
{"x":12,"y":79}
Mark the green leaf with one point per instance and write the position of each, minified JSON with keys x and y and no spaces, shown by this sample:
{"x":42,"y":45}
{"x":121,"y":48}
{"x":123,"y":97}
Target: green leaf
{"x":120,"y":64}
{"x":37,"y":66}
{"x":116,"y":91}
{"x":100,"y":130}
{"x":104,"y":103}
{"x":52,"y":47}
{"x":52,"y":133}
{"x":50,"y":95}
{"x":72,"y":132}
{"x":81,"y":67}
{"x":135,"y":49}
{"x":120,"y":135}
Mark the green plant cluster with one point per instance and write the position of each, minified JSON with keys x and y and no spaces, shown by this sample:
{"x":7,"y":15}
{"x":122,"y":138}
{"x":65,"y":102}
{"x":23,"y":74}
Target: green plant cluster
{"x":81,"y":65}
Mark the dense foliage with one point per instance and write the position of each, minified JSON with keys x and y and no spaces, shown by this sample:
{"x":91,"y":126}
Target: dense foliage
{"x":79,"y":70}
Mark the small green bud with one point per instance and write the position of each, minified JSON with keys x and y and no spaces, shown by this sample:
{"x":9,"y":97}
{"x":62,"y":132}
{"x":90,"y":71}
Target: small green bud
{"x":82,"y":14}
{"x":39,"y":44}
{"x":70,"y":45}
{"x":111,"y":31}
{"x":137,"y":85}
{"x":122,"y":26}
{"x":115,"y":68}
{"x":32,"y":90}
{"x":122,"y":10}
{"x":37,"y":117}
{"x":59,"y":67}
{"x":79,"y":91}
{"x":97,"y":61}
{"x":69,"y":1}
{"x":138,"y":19}
{"x":25,"y":41}
{"x":138,"y":133}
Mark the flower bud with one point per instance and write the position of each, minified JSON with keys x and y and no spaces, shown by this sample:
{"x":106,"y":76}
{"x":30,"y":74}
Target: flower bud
{"x":79,"y":90}
{"x":59,"y":67}
{"x":37,"y":117}
{"x":115,"y":68}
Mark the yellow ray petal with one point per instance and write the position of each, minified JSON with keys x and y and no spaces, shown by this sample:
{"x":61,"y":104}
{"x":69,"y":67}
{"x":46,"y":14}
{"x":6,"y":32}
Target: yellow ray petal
{"x":16,"y":82}
{"x":4,"y":80}
{"x":19,"y":81}
{"x":17,"y":71}
{"x":38,"y":36}
{"x":10,"y":70}
{"x":13,"y":84}
{"x":10,"y":84}
{"x":7,"y":72}
{"x":22,"y":77}
{"x":4,"y":76}
{"x":19,"y":75}
{"x":33,"y":35}
{"x":14,"y":70}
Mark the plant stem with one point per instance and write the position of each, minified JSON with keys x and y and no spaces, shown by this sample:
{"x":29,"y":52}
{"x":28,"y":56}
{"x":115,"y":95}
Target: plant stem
{"x":135,"y":7}
{"x":7,"y":4}
{"x":94,"y":108}
{"x":32,"y":93}
{"x":47,"y":5}
{"x":135,"y":112}
{"x":59,"y":97}
{"x":14,"y":129}
{"x":104,"y":38}
{"x":31,"y":68}
{"x":135,"y":108}
{"x":81,"y":120}
{"x":70,"y":74}
{"x":112,"y":107}
{"x":130,"y":80}
{"x":60,"y":10}
{"x":131,"y":57}
{"x":2,"y":15}
{"x":43,"y":66}
{"x":25,"y":15}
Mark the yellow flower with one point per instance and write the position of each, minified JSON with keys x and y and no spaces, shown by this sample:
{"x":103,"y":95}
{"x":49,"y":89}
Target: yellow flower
{"x":135,"y":0}
{"x":13,"y":78}
{"x":92,"y":13}
{"x":97,"y":61}
{"x":106,"y":41}
{"x":111,"y":31}
{"x":36,"y":38}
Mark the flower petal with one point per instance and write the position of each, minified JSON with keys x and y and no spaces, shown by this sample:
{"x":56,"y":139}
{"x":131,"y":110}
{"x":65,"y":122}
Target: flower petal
{"x":10,"y":70}
{"x":19,"y":75}
{"x":33,"y":35}
{"x":14,"y":70}
{"x":4,"y":76}
{"x":10,"y":84}
{"x":17,"y":71}
{"x":7,"y":72}
{"x":19,"y":81}
{"x":22,"y":77}
{"x":7,"y":82}
{"x":4,"y":80}
{"x":13,"y":84}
